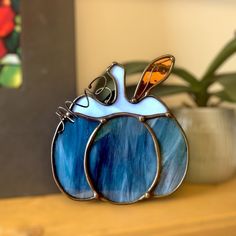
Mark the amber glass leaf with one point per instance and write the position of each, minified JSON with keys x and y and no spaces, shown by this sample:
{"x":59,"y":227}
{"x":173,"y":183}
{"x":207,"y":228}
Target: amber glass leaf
{"x":155,"y":73}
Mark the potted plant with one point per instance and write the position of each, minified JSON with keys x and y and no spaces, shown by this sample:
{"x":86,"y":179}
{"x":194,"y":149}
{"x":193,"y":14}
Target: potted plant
{"x":208,"y":125}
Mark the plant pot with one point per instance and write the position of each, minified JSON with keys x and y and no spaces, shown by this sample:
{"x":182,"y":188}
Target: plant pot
{"x":210,"y":132}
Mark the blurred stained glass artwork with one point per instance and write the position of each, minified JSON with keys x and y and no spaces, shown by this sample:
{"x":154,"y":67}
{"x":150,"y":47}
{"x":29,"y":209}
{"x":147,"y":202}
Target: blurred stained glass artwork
{"x":10,"y":51}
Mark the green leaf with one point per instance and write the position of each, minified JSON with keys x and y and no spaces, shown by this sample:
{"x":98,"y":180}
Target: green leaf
{"x":11,"y":76}
{"x":186,"y":76}
{"x":222,"y":56}
{"x":162,"y":90}
{"x":12,"y":42}
{"x":166,"y":90}
{"x":224,"y":96}
{"x":18,"y":52}
{"x":15,"y":5}
{"x":228,"y":81}
{"x":135,"y":67}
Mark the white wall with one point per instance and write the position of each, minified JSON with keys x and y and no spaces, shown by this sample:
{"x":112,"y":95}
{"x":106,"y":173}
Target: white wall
{"x":193,"y":31}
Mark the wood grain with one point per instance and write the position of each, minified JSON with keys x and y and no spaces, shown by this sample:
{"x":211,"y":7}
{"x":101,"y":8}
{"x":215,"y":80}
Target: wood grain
{"x":192,"y":210}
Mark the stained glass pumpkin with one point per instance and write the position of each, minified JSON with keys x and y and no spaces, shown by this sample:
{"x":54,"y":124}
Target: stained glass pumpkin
{"x":125,"y":151}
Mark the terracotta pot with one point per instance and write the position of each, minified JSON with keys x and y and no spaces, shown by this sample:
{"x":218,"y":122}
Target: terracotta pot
{"x":211,"y":136}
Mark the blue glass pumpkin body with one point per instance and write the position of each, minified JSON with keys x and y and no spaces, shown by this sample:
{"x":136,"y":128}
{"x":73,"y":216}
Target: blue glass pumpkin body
{"x":122,"y":152}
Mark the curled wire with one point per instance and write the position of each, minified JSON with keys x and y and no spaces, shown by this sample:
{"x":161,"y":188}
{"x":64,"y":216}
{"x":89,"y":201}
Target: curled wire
{"x":65,"y":113}
{"x":97,"y":92}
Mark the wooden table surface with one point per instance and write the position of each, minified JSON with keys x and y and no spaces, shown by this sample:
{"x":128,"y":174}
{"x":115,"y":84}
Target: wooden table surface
{"x":192,"y":210}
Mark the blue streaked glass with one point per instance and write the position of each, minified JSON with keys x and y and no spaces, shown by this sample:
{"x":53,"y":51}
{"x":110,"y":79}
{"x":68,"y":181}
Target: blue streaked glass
{"x":122,"y":161}
{"x":174,"y":155}
{"x":68,"y":159}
